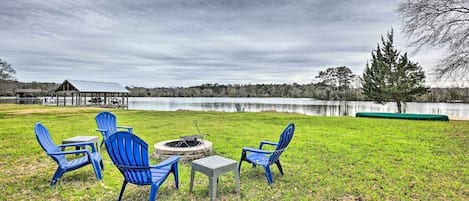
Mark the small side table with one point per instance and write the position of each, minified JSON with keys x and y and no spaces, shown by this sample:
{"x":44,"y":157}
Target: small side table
{"x":214,"y":166}
{"x":77,"y":139}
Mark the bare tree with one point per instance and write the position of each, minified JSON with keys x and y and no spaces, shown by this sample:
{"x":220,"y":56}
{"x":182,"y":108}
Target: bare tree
{"x":6,"y":71}
{"x":442,"y":23}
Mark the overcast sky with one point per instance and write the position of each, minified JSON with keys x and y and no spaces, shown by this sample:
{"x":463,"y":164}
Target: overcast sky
{"x":190,"y":42}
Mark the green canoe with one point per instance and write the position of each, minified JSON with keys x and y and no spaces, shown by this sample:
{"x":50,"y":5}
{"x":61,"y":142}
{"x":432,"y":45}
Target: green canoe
{"x":435,"y":117}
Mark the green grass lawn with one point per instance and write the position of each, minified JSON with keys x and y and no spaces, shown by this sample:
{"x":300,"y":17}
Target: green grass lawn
{"x":329,"y":158}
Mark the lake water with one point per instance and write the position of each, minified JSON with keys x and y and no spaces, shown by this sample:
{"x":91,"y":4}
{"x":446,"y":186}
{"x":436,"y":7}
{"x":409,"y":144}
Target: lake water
{"x":305,"y":106}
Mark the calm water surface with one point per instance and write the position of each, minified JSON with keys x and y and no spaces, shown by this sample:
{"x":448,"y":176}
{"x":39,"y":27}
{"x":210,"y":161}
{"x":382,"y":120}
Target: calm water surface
{"x":305,"y":106}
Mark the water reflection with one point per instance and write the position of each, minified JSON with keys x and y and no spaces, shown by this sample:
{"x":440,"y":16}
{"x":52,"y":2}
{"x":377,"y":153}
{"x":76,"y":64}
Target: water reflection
{"x":293,"y":105}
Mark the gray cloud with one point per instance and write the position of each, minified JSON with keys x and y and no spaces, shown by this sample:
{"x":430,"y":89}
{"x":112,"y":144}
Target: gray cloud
{"x":190,"y":42}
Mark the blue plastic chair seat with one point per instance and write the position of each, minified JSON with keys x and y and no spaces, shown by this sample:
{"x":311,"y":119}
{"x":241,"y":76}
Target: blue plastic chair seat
{"x":259,"y":159}
{"x":267,"y":158}
{"x":90,"y":157}
{"x":80,"y":162}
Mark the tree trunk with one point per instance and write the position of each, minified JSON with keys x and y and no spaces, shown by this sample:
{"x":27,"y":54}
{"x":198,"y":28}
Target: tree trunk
{"x":399,"y":106}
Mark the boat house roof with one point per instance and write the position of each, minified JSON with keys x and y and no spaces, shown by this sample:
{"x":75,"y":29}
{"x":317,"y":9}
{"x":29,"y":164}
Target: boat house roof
{"x":91,"y":87}
{"x":28,"y":90}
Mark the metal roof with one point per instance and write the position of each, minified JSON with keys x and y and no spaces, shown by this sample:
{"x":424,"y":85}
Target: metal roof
{"x":90,"y":86}
{"x":28,"y":90}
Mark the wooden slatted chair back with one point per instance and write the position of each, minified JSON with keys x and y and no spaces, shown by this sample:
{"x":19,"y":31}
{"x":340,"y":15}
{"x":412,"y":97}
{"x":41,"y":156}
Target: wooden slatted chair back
{"x":285,"y":138}
{"x":130,"y":155}
{"x":45,"y":140}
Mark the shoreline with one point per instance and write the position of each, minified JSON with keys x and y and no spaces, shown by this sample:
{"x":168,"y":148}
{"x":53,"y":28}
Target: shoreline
{"x":455,"y":118}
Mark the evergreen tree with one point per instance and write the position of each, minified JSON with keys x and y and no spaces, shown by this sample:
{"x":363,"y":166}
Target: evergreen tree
{"x":391,"y":76}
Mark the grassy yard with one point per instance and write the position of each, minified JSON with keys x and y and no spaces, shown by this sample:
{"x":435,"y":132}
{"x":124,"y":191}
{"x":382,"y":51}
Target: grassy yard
{"x":329,"y":158}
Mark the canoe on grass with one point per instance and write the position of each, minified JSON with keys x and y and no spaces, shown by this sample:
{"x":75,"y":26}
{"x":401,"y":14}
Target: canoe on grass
{"x":435,"y":117}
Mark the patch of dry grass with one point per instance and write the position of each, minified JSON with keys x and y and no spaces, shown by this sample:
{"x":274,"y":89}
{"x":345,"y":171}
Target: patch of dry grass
{"x":12,"y":109}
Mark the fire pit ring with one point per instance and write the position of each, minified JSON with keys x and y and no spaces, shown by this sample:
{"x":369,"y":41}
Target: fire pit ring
{"x":187,"y":150}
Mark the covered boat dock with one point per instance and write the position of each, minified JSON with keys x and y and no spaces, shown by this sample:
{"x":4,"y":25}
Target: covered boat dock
{"x":93,"y":94}
{"x":28,"y":96}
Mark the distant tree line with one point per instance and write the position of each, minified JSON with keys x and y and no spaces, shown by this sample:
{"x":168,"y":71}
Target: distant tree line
{"x":317,"y":90}
{"x":8,"y":83}
{"x":7,"y":88}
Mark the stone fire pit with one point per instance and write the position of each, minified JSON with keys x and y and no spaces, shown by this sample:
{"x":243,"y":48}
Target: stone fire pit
{"x":188,"y":150}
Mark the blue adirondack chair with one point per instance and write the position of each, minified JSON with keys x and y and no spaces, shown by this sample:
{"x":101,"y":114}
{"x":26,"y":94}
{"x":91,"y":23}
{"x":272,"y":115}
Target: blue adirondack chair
{"x":130,"y":155}
{"x":267,"y":158}
{"x":93,"y":157}
{"x":107,"y":125}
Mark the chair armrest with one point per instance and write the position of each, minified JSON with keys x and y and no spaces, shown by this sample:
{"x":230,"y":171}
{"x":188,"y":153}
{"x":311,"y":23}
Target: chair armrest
{"x":126,"y":127}
{"x":171,"y":160}
{"x":91,"y":144}
{"x":245,"y":149}
{"x":268,"y":143}
{"x":101,"y":130}
{"x":70,"y":152}
{"x":104,"y":132}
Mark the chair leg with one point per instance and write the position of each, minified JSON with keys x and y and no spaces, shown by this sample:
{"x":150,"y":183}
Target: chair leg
{"x":268,"y":174}
{"x":58,"y":173}
{"x":243,"y":156}
{"x":122,"y":190}
{"x":101,"y":164}
{"x":97,"y":169}
{"x":279,"y":167}
{"x":176,"y":174}
{"x":153,"y":192}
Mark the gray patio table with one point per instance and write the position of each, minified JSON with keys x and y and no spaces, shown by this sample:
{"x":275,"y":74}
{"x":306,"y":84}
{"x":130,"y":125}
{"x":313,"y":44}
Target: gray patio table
{"x":77,"y":139}
{"x":214,"y":166}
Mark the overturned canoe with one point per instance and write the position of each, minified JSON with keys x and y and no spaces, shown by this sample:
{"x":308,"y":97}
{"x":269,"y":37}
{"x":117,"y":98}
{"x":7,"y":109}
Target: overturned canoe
{"x":435,"y":117}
